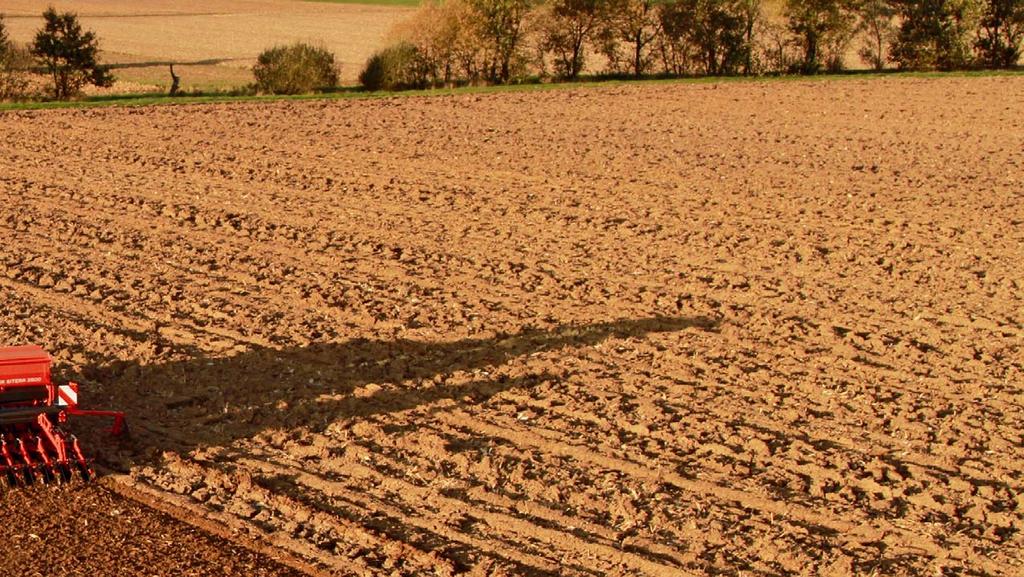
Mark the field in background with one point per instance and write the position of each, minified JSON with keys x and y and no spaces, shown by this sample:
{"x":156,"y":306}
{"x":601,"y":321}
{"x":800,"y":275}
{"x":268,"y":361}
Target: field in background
{"x":214,"y":44}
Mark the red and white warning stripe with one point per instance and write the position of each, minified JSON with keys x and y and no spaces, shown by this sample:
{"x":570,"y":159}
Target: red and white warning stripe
{"x":67,"y":395}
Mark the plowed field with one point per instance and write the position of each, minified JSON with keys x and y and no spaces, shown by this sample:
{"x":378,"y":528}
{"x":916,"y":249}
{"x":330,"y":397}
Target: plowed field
{"x":745,"y":329}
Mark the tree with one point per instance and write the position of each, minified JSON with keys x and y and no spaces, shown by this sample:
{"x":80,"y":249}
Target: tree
{"x":934,"y":34}
{"x":447,"y":39}
{"x":1000,"y":33}
{"x":566,"y":28}
{"x":673,"y":44}
{"x":751,"y":12}
{"x":69,"y":54}
{"x":501,"y":25}
{"x":819,"y":24}
{"x":715,"y":29}
{"x":635,"y":23}
{"x":13,"y":61}
{"x":878,"y":29}
{"x":776,"y":52}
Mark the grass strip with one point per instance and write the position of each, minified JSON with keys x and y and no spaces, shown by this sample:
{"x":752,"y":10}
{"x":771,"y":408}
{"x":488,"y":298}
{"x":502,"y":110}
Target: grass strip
{"x":355,"y":92}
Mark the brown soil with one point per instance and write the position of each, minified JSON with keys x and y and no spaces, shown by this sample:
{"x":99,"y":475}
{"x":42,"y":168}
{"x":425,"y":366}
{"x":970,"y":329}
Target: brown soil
{"x":90,"y":531}
{"x":752,"y":328}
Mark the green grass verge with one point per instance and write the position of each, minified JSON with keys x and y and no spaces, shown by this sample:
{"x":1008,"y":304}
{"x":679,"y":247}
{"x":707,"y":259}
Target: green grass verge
{"x":594,"y":82}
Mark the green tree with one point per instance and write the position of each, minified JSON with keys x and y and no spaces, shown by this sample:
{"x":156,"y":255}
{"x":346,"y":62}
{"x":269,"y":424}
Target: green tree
{"x":751,"y":12}
{"x":934,"y":34}
{"x":1000,"y":33}
{"x":877,"y":29}
{"x":715,"y":29}
{"x":819,"y":24}
{"x":566,"y":28}
{"x":635,"y":24}
{"x":69,"y":54}
{"x":502,"y":26}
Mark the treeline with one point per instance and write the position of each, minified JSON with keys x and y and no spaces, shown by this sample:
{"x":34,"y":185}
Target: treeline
{"x":459,"y":42}
{"x":453,"y":42}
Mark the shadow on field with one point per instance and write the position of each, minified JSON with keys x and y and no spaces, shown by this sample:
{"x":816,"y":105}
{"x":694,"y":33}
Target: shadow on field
{"x":199,"y":402}
{"x":155,"y":63}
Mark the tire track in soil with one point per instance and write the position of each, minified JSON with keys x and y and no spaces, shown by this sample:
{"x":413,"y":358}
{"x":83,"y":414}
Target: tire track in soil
{"x":504,"y":528}
{"x":550,"y":442}
{"x":582,"y":454}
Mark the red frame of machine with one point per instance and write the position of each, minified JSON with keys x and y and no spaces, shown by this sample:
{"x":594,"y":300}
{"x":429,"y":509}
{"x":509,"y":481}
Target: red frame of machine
{"x":33,"y":410}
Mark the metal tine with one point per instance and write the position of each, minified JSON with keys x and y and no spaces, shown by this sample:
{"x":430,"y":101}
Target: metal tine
{"x":27,"y":477}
